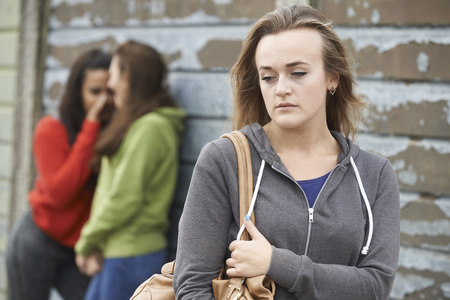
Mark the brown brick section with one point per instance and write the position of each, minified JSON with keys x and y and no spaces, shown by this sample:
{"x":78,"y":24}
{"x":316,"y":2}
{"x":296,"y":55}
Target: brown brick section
{"x":425,"y":119}
{"x":423,"y":170}
{"x":117,"y":12}
{"x":219,"y":54}
{"x":403,"y":61}
{"x":387,"y":12}
{"x":67,"y":54}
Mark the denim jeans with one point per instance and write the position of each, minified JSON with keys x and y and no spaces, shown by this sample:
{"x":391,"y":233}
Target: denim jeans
{"x":120,"y":277}
{"x":36,"y":263}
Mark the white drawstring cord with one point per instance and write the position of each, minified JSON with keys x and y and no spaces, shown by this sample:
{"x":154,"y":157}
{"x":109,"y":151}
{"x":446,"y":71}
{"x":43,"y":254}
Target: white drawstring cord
{"x":255,"y":193}
{"x":365,"y":249}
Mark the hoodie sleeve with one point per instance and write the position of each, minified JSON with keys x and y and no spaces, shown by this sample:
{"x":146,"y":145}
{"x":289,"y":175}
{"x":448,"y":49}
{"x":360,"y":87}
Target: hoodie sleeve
{"x":371,"y":278}
{"x":63,"y":169}
{"x":203,"y":227}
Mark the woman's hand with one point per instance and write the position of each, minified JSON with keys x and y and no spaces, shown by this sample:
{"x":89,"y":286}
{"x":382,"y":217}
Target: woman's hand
{"x":93,"y":114}
{"x":90,"y":265}
{"x":249,"y":258}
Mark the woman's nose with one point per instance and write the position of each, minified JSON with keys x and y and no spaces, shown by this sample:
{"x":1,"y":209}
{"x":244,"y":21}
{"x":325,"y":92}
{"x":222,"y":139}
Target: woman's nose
{"x":283,"y":87}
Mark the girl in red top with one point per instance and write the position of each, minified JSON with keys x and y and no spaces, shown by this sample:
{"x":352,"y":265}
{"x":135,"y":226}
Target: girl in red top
{"x":40,"y":252}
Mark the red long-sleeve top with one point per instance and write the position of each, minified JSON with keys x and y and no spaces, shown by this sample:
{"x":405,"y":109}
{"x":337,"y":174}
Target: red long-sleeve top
{"x":61,"y":199}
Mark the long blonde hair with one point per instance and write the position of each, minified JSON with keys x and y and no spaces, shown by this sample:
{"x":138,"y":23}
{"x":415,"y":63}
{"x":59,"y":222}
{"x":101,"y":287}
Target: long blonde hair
{"x":344,"y":108}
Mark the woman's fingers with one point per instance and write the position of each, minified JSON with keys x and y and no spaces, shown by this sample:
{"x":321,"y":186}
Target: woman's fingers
{"x":250,"y":258}
{"x":93,"y":113}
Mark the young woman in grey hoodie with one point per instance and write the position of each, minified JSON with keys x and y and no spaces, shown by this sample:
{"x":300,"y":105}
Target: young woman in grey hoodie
{"x":327,"y":212}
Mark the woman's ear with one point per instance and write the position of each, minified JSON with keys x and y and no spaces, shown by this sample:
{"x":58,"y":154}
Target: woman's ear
{"x":125,"y":75}
{"x":333,"y":81}
{"x":125,"y":78}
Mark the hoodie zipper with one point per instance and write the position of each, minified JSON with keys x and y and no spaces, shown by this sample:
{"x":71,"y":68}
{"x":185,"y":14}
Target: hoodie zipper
{"x":310,"y":209}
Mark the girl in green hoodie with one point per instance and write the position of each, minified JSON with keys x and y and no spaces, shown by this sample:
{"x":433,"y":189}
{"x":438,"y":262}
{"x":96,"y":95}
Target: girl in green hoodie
{"x":124,"y":241}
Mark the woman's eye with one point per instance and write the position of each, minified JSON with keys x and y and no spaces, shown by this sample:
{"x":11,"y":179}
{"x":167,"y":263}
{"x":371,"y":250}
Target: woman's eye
{"x":96,"y":91}
{"x":267,"y":78}
{"x":299,"y":74}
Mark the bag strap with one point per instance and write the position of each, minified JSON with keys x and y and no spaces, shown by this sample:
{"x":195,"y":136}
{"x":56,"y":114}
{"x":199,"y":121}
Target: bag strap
{"x":245,"y":175}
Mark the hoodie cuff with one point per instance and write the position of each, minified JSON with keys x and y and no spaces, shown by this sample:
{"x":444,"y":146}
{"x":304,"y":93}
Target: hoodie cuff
{"x":83,"y":248}
{"x":285,"y":267}
{"x":91,"y":126}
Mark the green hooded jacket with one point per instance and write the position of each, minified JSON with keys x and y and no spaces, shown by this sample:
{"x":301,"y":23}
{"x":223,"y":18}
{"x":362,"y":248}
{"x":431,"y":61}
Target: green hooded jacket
{"x":135,"y":189}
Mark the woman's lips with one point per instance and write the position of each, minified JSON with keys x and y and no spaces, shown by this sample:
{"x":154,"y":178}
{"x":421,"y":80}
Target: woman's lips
{"x":286,"y":106}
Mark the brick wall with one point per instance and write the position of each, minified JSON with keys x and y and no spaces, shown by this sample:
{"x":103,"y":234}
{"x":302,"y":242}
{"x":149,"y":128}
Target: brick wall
{"x":401,"y":49}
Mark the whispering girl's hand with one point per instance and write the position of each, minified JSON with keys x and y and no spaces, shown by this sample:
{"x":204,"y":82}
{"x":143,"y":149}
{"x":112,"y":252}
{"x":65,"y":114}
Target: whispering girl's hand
{"x":91,"y":264}
{"x":93,"y":113}
{"x":249,"y":258}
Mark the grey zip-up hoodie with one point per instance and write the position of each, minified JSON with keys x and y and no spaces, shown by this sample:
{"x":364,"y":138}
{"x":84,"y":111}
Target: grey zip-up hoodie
{"x":316,"y":255}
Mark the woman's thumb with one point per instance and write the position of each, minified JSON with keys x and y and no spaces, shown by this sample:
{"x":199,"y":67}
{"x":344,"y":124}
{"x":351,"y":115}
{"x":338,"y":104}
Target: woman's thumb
{"x":251,"y":228}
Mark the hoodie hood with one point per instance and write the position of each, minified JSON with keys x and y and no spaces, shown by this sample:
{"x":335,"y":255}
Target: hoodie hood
{"x":176,"y":116}
{"x":346,"y":158}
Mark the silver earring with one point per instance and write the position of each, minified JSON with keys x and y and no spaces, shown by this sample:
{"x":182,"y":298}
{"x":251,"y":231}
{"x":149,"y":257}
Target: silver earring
{"x":332,"y":91}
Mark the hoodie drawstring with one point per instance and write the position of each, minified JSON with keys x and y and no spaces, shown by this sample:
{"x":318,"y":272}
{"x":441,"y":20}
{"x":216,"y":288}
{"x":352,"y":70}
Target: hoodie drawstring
{"x":365,"y":249}
{"x":255,"y":193}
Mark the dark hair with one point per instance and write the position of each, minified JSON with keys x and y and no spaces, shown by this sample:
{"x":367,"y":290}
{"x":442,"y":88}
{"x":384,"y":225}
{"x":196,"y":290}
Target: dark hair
{"x":343,"y":108}
{"x":71,"y":111}
{"x":147,"y":90}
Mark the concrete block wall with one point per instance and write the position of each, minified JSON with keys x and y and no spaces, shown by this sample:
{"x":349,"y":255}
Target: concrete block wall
{"x":401,"y":50}
{"x":9,"y":37}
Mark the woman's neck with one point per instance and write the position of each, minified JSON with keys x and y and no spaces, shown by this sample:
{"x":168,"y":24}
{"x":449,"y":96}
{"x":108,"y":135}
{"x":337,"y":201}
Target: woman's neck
{"x":307,"y":154}
{"x":301,"y":140}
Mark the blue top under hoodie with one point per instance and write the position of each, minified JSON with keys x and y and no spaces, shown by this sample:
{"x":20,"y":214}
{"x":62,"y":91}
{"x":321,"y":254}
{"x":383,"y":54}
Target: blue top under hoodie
{"x":318,"y":260}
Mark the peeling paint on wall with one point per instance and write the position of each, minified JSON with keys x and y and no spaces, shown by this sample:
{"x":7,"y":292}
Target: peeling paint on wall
{"x":54,"y":82}
{"x":408,"y":177}
{"x":375,"y":17}
{"x":422,"y":62}
{"x":350,"y":12}
{"x":146,"y":12}
{"x":444,"y":205}
{"x":222,"y":2}
{"x":434,"y":228}
{"x":392,"y":12}
{"x":446,"y":289}
{"x":401,"y":62}
{"x":385,"y":96}
{"x":387,"y":38}
{"x":283,"y":3}
{"x":423,"y":260}
{"x":195,"y":92}
{"x":187,"y":41}
{"x":414,"y":174}
{"x":385,"y":146}
{"x":406,"y":198}
{"x":70,"y":2}
{"x":441,"y":146}
{"x":406,"y":284}
{"x":434,"y":247}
